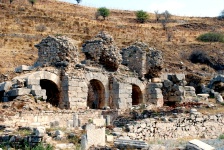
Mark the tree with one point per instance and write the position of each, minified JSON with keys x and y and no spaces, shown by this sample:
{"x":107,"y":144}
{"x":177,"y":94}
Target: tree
{"x":141,"y":16}
{"x":158,"y":15}
{"x":167,"y":15}
{"x":32,"y":2}
{"x":221,"y":16}
{"x":104,"y":12}
{"x":78,"y":1}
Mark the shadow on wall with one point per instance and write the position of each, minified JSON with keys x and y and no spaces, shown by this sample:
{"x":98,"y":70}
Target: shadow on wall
{"x":137,"y":96}
{"x":52,"y":91}
{"x":96,"y":95}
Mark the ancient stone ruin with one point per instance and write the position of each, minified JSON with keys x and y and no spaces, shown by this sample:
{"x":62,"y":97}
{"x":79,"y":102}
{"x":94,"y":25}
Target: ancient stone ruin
{"x":100,"y":81}
{"x":94,"y":91}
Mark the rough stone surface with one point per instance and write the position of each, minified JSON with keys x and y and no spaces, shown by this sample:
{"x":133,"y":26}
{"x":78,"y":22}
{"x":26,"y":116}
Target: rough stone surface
{"x":198,"y":145}
{"x":57,"y":51}
{"x":103,"y":50}
{"x":150,"y":61}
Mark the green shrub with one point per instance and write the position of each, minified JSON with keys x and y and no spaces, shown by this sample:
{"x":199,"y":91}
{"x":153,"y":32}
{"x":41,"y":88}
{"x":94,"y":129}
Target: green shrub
{"x":221,"y":137}
{"x":211,"y":37}
{"x":104,"y":12}
{"x":141,"y":16}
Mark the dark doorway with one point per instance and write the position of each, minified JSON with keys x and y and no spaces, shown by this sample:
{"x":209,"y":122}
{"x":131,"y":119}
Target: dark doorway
{"x":52,"y":92}
{"x":137,"y":97}
{"x":96,"y":95}
{"x":1,"y":95}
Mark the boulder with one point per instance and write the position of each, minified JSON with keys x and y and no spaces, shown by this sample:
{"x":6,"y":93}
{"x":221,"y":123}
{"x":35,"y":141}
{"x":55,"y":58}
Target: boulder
{"x":39,"y":131}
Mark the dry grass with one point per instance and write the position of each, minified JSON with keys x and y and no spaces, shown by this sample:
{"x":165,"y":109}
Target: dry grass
{"x":19,"y":22}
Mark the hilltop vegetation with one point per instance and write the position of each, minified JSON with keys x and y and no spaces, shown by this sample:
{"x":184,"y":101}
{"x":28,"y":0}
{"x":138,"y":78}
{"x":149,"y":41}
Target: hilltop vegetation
{"x":22,"y":26}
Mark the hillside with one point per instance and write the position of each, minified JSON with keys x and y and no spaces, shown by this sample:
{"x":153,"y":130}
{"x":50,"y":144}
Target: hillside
{"x":22,"y":26}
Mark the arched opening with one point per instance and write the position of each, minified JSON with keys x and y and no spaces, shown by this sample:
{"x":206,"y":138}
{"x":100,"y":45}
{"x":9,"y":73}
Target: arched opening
{"x":96,"y":95}
{"x":1,"y":95}
{"x":137,"y":97}
{"x":52,"y":91}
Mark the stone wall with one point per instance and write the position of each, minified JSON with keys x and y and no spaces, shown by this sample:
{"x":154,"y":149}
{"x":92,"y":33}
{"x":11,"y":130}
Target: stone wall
{"x":194,"y":126}
{"x":58,"y":51}
{"x":146,"y":61}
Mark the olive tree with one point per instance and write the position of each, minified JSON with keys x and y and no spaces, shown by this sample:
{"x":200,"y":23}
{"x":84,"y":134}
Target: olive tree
{"x":104,"y":12}
{"x":141,"y":16}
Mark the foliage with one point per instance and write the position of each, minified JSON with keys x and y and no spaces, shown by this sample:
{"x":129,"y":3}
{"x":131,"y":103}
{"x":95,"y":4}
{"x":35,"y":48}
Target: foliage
{"x":32,"y":2}
{"x":211,"y":37}
{"x":221,"y":16}
{"x":104,"y":12}
{"x":78,"y":1}
{"x":199,"y":56}
{"x":221,"y":137}
{"x":141,"y":16}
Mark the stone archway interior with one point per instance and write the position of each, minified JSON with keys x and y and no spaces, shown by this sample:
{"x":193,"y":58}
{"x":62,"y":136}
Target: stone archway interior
{"x":52,"y":91}
{"x":96,"y":95}
{"x":137,"y":97}
{"x":1,"y":95}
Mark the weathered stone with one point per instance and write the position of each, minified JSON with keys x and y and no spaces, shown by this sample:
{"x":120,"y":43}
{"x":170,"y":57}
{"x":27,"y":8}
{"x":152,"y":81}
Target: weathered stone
{"x":57,"y":51}
{"x":198,"y":145}
{"x":103,"y":50}
{"x":150,"y":60}
{"x":18,"y":91}
{"x":39,"y":131}
{"x":23,"y":68}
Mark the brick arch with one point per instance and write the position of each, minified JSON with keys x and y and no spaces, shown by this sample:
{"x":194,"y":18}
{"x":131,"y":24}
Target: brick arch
{"x":103,"y":81}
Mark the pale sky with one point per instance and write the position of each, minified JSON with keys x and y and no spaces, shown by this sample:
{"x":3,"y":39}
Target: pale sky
{"x":205,"y":8}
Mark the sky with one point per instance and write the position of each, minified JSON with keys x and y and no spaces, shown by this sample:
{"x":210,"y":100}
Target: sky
{"x":198,"y":8}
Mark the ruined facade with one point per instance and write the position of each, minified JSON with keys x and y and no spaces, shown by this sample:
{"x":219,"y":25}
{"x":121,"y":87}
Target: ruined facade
{"x":100,"y":81}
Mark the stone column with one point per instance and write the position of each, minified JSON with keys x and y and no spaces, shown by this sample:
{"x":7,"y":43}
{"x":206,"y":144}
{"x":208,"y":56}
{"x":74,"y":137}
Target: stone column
{"x":75,"y":120}
{"x":108,"y":120}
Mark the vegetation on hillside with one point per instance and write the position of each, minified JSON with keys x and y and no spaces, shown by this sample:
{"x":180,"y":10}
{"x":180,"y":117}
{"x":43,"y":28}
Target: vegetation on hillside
{"x":142,"y":16}
{"x":211,"y":37}
{"x":104,"y":12}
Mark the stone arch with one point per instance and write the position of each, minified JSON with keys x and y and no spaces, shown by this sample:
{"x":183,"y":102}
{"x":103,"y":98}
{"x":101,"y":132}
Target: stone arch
{"x":137,"y":96}
{"x":48,"y":81}
{"x":137,"y":90}
{"x":93,"y":79}
{"x":96,"y":94}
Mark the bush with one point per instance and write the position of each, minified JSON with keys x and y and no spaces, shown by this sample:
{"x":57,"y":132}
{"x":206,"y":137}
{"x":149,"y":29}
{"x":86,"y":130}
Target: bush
{"x":141,"y":16}
{"x":211,"y":37}
{"x":221,"y":137}
{"x":104,"y":12}
{"x":199,"y":56}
